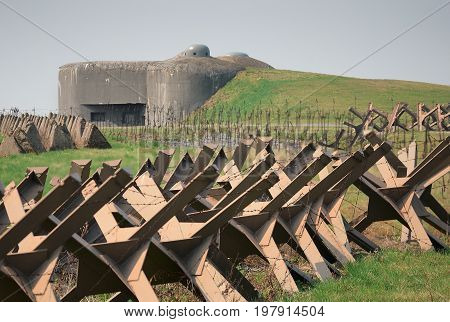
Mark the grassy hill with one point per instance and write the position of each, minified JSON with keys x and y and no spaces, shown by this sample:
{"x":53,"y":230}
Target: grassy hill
{"x":283,"y":89}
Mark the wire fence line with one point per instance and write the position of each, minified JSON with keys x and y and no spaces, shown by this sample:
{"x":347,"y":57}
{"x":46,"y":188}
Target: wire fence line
{"x":227,"y":125}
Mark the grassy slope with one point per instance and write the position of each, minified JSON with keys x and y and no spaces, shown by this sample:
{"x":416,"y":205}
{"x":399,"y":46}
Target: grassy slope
{"x":282,"y":88}
{"x":387,"y":276}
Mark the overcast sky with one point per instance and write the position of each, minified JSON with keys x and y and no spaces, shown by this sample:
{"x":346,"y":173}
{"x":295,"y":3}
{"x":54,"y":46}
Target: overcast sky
{"x":318,"y":36}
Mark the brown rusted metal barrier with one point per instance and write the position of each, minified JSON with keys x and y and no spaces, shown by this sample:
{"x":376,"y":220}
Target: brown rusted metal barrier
{"x":404,"y":192}
{"x":197,"y":223}
{"x":421,"y":118}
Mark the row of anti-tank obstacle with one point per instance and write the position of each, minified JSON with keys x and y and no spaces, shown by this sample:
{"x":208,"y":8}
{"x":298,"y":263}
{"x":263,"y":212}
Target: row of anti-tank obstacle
{"x":327,"y":128}
{"x":63,"y":132}
{"x":196,"y":223}
{"x":36,"y":134}
{"x":424,"y":118}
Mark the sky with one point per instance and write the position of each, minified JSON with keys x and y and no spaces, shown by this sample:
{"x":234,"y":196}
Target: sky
{"x":315,"y":36}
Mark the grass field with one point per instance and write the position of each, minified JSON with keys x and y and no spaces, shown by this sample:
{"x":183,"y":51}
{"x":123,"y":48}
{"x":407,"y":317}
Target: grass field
{"x":287,"y":89}
{"x":13,"y":167}
{"x":390,"y":275}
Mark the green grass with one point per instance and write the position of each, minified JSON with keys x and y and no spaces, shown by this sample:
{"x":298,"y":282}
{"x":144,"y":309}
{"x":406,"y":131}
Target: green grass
{"x":12,"y":168}
{"x":284,"y":89}
{"x":390,"y":275}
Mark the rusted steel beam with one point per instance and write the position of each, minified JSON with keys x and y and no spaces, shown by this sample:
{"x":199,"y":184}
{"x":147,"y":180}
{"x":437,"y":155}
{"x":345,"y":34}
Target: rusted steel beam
{"x":35,"y":216}
{"x":400,"y":196}
{"x":135,"y":243}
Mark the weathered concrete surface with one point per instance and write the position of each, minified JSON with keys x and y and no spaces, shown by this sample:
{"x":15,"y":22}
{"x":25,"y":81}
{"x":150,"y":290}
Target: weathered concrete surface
{"x":100,"y":83}
{"x":36,"y":134}
{"x":57,"y":137}
{"x":183,"y":84}
{"x":10,"y":146}
{"x":31,"y":138}
{"x":93,"y":138}
{"x":25,"y":139}
{"x":76,"y":129}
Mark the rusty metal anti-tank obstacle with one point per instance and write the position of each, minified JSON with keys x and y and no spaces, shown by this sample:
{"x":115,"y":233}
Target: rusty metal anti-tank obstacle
{"x":195,"y":224}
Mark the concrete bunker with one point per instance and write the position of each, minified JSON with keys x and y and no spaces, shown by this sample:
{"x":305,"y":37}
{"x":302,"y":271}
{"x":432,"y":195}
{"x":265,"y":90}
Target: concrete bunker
{"x":146,"y":92}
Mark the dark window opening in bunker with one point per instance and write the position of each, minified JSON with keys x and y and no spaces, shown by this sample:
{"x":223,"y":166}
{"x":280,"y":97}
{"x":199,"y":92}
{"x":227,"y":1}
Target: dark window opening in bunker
{"x":128,"y":118}
{"x":117,"y":114}
{"x":194,"y":54}
{"x":98,"y":117}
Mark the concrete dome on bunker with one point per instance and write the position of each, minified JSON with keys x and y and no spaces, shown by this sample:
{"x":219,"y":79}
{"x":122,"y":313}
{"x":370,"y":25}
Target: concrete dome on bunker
{"x":237,"y":54}
{"x":197,"y":50}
